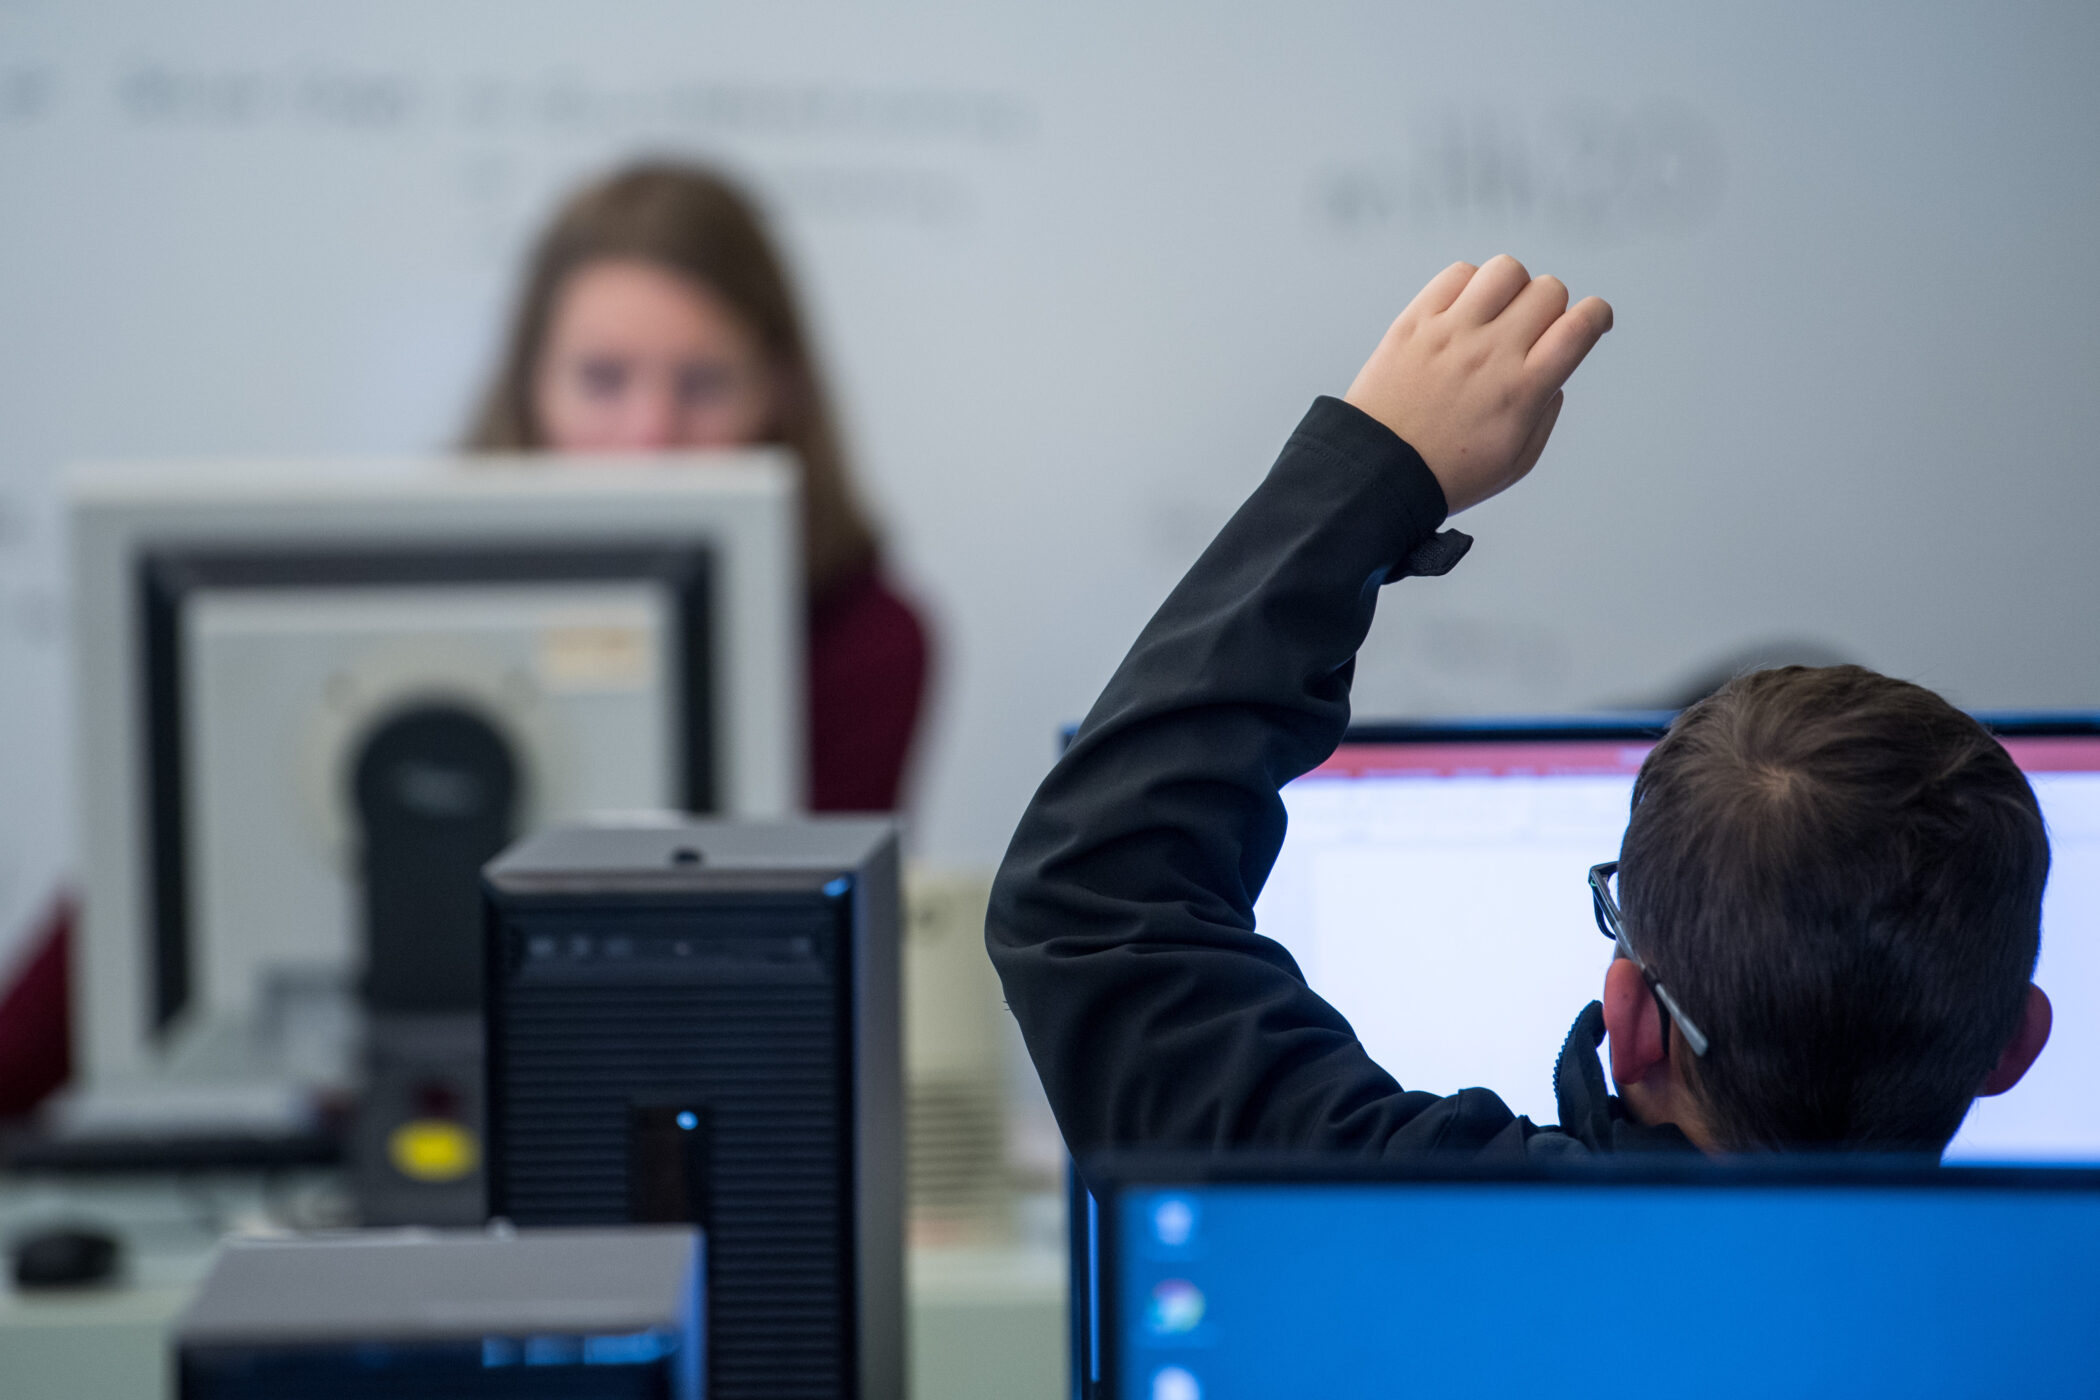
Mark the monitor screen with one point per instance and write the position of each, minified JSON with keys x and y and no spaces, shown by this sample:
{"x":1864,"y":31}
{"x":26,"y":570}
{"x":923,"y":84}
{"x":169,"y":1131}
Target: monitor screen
{"x":1932,"y":1283}
{"x":1432,"y":887}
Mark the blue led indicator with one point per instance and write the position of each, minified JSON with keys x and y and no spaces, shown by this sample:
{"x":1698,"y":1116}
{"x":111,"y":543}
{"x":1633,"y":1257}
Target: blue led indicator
{"x":688,"y":1120}
{"x":839,"y":886}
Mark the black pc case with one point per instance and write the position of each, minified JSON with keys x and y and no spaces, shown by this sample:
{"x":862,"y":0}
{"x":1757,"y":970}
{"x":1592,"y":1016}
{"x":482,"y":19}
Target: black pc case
{"x":448,"y":1315}
{"x":699,"y":1022}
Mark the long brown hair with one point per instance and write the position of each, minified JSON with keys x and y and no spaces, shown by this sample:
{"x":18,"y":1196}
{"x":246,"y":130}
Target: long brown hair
{"x":692,"y":222}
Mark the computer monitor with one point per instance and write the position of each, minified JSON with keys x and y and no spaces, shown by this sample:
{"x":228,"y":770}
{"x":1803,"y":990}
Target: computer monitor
{"x":1432,"y":887}
{"x":311,"y":694}
{"x":1224,"y":1279}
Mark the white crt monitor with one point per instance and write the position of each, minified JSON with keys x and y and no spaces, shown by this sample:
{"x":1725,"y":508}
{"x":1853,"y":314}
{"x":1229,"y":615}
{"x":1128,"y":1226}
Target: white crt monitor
{"x":624,"y":635}
{"x":1432,"y":887}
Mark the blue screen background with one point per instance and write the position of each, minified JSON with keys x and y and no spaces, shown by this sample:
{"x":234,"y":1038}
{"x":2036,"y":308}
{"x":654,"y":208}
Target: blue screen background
{"x":1341,"y":1291}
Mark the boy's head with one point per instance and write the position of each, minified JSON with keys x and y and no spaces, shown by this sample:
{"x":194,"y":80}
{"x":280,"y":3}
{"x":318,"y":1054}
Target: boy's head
{"x":1839,"y":876}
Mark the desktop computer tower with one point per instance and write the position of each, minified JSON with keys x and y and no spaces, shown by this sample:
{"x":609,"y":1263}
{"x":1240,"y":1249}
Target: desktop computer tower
{"x":698,"y":1022}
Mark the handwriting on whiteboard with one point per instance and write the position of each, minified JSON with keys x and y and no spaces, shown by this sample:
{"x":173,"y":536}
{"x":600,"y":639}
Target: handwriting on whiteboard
{"x":1593,"y":170}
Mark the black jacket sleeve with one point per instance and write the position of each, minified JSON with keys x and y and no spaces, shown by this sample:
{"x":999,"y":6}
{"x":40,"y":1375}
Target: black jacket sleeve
{"x":1122,"y":920}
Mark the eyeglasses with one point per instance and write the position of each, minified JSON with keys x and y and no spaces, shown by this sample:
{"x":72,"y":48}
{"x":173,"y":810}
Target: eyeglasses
{"x":1612,"y":926}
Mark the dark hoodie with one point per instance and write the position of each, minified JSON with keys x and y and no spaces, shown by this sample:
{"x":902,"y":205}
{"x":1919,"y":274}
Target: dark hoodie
{"x":1122,"y":921}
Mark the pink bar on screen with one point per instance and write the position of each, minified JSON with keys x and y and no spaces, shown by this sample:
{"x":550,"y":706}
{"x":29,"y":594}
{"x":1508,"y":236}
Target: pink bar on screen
{"x":1487,"y":759}
{"x":2068,"y":753}
{"x":1589,"y":757}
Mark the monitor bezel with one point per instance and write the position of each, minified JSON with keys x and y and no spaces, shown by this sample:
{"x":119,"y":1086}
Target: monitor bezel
{"x":1650,"y":725}
{"x":1635,"y":726}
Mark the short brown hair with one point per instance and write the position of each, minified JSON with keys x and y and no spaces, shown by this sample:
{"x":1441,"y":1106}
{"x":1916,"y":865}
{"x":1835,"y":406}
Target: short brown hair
{"x":1840,"y":876}
{"x":697,"y":224}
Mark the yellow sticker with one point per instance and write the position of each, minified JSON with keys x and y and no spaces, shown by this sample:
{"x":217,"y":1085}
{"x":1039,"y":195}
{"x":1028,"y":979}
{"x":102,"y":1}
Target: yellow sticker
{"x":433,"y":1149}
{"x":587,"y":657}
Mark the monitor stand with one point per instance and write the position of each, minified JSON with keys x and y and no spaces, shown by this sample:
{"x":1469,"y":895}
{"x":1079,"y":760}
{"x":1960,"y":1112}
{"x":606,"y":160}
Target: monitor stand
{"x":436,"y":795}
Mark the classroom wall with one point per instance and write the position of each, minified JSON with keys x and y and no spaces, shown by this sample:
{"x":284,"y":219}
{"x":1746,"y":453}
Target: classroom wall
{"x":1077,"y":269}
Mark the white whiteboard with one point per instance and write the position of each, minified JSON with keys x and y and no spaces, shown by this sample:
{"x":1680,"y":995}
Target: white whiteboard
{"x":1077,"y":269}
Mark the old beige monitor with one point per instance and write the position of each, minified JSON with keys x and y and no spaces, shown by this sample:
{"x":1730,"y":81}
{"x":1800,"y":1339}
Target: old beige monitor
{"x":248,"y":636}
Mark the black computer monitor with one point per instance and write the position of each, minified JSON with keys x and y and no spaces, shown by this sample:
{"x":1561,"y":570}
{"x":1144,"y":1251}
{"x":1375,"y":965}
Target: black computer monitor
{"x":1221,"y":1279}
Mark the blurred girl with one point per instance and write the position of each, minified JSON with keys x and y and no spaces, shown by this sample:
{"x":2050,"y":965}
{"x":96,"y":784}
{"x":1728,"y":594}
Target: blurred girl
{"x":656,"y":316}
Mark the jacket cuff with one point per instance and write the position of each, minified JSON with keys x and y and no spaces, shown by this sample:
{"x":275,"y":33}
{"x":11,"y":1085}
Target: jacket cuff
{"x":1346,"y":431}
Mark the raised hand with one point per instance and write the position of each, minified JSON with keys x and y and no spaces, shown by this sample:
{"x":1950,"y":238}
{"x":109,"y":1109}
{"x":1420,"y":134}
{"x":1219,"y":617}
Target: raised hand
{"x":1470,"y":373}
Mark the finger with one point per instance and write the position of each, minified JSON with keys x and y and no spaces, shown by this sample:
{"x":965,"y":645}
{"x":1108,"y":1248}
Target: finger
{"x":1493,"y":287}
{"x":1538,"y":306}
{"x":1567,"y":340}
{"x":1443,"y":289}
{"x":1540,"y":431}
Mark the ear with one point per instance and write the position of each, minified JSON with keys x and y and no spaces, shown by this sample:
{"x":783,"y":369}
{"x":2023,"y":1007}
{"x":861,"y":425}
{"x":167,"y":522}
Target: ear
{"x":2035,"y":1019}
{"x":1633,"y":1021}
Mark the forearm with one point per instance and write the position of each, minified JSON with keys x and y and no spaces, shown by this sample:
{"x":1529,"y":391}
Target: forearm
{"x":1122,"y":921}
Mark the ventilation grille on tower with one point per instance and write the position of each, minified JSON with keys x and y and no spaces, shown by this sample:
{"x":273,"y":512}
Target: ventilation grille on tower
{"x":737,"y":1008}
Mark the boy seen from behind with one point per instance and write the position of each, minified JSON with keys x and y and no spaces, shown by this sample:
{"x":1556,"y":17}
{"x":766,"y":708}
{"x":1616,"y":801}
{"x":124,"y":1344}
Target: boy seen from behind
{"x":1827,"y":901}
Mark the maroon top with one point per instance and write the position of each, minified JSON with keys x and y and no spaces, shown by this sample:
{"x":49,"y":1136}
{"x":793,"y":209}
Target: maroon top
{"x":867,"y":676}
{"x":35,"y":1016}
